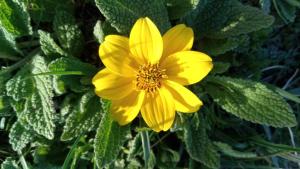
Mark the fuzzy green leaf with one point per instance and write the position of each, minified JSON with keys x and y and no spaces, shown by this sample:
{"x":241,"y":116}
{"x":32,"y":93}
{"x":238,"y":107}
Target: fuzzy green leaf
{"x":14,"y":17}
{"x":222,"y":19}
{"x":36,"y":94}
{"x":179,"y":8}
{"x":122,"y":14}
{"x":251,"y":101}
{"x":69,"y":35}
{"x":198,"y":145}
{"x":84,"y":117}
{"x":220,"y":46}
{"x":49,"y":46}
{"x":19,"y":136}
{"x":9,"y":163}
{"x":109,"y":139}
{"x":8,"y":47}
{"x":72,"y":64}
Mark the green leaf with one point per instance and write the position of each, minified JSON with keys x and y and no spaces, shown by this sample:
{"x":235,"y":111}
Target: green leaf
{"x":122,"y":14}
{"x":220,"y":46}
{"x":109,"y":139}
{"x":69,"y":35}
{"x":36,"y":94}
{"x":72,"y":64}
{"x":19,"y":136}
{"x":285,"y":10}
{"x":61,"y":82}
{"x":197,"y":143}
{"x":222,"y":19}
{"x":8,"y":45}
{"x":14,"y":17}
{"x":227,"y":150}
{"x":84,"y":117}
{"x":9,"y":163}
{"x":179,"y":8}
{"x":49,"y":46}
{"x":251,"y":101}
{"x":167,"y":158}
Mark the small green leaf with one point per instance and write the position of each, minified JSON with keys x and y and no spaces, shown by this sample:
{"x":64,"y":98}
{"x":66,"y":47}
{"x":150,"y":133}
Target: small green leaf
{"x":49,"y":46}
{"x":19,"y":136}
{"x":109,"y":139}
{"x":198,"y":145}
{"x":222,"y":19}
{"x":84,"y":117}
{"x":35,"y":92}
{"x":69,"y":35}
{"x":9,"y":163}
{"x":122,"y":14}
{"x":14,"y":17}
{"x":251,"y":101}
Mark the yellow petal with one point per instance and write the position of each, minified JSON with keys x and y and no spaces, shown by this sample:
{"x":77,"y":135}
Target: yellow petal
{"x":126,"y":109}
{"x":145,"y":41}
{"x":179,"y":38}
{"x":158,"y":110}
{"x":187,"y":67}
{"x":111,"y":86}
{"x":115,"y":55}
{"x":185,"y":100}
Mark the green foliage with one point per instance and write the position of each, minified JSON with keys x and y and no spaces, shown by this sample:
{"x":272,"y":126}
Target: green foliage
{"x":8,"y":45}
{"x":9,"y":163}
{"x":122,"y":14}
{"x":179,"y":8}
{"x":68,"y":33}
{"x":251,"y":101}
{"x":45,"y":10}
{"x":19,"y":136}
{"x":84,"y":117}
{"x":229,"y":151}
{"x":230,"y":18}
{"x":286,"y":9}
{"x":64,"y":68}
{"x":198,"y":145}
{"x":220,"y":46}
{"x":49,"y":46}
{"x":101,"y":29}
{"x":14,"y":17}
{"x":109,"y":139}
{"x":38,"y":111}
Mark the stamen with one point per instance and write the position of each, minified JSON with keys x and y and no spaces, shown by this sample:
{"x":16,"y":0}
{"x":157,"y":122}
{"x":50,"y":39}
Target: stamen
{"x":149,"y":77}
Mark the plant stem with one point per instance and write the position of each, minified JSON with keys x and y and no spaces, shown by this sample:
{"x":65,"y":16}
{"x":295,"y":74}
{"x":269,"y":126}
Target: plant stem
{"x":22,"y":160}
{"x":146,"y":147}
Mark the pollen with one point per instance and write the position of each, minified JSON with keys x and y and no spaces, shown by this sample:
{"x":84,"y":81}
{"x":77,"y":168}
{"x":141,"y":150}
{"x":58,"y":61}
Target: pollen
{"x":149,"y":77}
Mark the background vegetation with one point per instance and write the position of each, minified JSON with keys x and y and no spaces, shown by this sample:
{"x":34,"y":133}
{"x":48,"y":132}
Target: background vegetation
{"x":50,"y":117}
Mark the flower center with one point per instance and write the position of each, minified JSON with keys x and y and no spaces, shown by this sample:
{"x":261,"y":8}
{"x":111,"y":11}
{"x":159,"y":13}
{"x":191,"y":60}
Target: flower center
{"x":149,"y":77}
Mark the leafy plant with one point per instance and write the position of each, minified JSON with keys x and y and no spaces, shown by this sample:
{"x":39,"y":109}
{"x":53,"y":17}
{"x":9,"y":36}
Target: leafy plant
{"x":50,"y":116}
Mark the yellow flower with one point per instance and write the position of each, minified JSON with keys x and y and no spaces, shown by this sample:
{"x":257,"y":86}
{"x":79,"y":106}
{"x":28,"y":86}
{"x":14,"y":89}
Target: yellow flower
{"x":147,"y":72}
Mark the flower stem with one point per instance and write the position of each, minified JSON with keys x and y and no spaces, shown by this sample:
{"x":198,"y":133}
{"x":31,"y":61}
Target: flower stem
{"x":146,"y":146}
